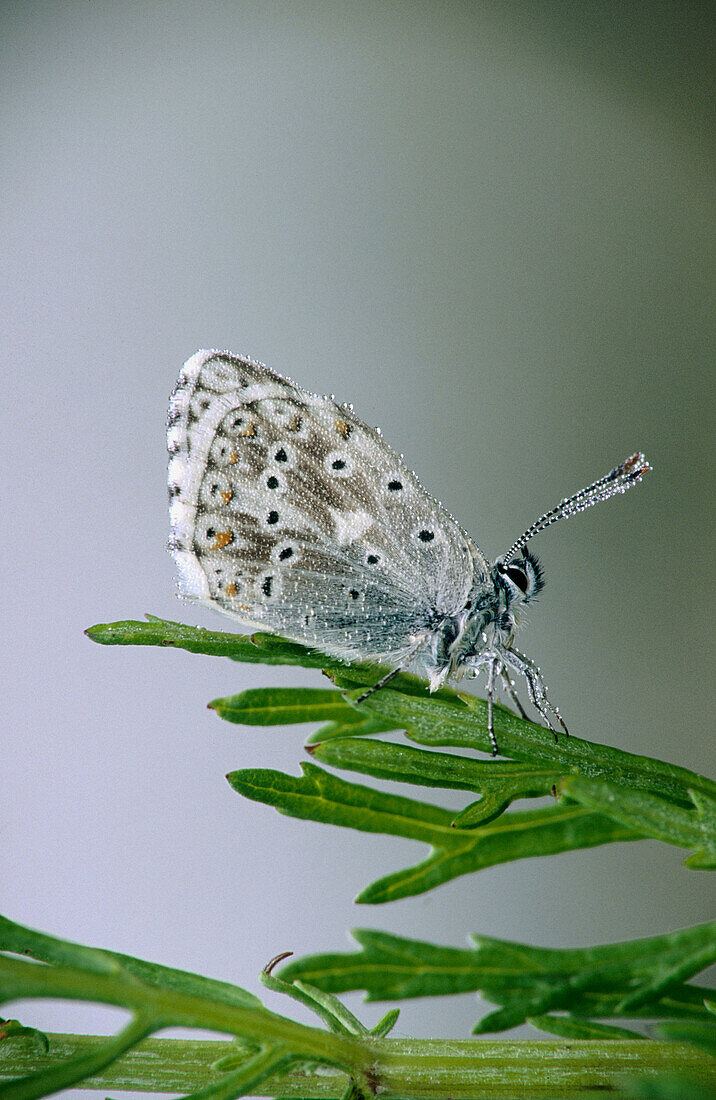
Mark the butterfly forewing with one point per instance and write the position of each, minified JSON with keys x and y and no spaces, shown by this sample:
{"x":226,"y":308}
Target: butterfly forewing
{"x":292,"y":515}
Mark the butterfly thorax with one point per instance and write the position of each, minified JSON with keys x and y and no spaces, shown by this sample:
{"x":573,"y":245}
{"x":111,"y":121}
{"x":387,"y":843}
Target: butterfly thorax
{"x":486,"y":624}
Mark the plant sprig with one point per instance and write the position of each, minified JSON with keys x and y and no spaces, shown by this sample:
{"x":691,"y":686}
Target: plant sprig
{"x":602,"y":794}
{"x":268,"y":1054}
{"x":605,"y":794}
{"x":158,"y":997}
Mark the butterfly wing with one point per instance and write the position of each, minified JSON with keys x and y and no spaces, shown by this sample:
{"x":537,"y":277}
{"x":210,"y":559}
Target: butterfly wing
{"x":293,"y":516}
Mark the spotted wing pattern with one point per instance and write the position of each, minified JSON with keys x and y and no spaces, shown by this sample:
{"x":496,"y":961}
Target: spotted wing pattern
{"x":293,"y":516}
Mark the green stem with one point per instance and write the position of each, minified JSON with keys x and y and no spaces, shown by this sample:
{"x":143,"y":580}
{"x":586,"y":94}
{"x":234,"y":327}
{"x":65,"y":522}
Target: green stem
{"x":420,"y":1069}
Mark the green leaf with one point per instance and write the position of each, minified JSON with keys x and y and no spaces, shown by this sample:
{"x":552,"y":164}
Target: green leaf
{"x":696,"y":1033}
{"x":49,"y":949}
{"x":263,"y":649}
{"x":389,"y":967}
{"x":26,"y":941}
{"x":460,"y":721}
{"x":446,"y":718}
{"x":572,"y":1027}
{"x":318,"y":796}
{"x":667,"y":974}
{"x":362,"y":727}
{"x":285,"y":706}
{"x":525,"y":981}
{"x":705,"y":805}
{"x":386,"y":1023}
{"x":498,"y":781}
{"x":653,"y":816}
{"x":665,"y":1086}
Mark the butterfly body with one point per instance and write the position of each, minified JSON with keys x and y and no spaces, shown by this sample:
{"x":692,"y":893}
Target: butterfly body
{"x":292,"y":515}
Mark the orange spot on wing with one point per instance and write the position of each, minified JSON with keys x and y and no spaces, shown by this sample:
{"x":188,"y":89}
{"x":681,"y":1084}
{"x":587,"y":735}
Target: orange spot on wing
{"x":226,"y":495}
{"x":249,"y":431}
{"x":231,"y":590}
{"x":223,"y":538}
{"x":343,"y":428}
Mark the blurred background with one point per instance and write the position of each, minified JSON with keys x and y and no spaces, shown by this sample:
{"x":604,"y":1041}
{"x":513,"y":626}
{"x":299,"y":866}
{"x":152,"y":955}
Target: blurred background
{"x":489,"y":226}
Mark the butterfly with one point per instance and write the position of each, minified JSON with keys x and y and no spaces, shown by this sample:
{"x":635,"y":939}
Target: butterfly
{"x":292,"y":515}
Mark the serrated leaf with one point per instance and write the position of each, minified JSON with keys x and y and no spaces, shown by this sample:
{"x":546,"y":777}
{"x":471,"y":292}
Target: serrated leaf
{"x":525,"y":981}
{"x":499,"y":782}
{"x":319,"y":796}
{"x":388,"y":967}
{"x":445,"y":718}
{"x":669,"y":973}
{"x":512,"y":836}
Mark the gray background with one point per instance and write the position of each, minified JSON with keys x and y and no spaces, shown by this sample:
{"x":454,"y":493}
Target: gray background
{"x":487,"y":225}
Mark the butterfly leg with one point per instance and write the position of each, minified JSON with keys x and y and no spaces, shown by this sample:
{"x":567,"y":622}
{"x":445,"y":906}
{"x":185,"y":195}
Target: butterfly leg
{"x":535,"y":686}
{"x":492,"y":668}
{"x":511,"y":694}
{"x":405,"y":661}
{"x":492,"y":661}
{"x":376,"y":687}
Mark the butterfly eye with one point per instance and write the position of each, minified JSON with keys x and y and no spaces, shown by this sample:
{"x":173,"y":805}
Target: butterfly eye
{"x":525,"y":575}
{"x":518,"y":577}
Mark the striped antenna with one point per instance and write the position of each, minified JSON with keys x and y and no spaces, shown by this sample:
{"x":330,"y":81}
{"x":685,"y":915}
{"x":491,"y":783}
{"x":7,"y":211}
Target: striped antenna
{"x":617,"y":480}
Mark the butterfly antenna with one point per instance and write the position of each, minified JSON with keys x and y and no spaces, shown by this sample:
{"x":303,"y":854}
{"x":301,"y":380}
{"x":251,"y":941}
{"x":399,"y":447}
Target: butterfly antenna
{"x":618,"y":480}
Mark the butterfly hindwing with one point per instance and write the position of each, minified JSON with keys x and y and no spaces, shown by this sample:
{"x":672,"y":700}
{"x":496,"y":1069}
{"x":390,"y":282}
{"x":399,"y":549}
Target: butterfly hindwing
{"x":292,"y":515}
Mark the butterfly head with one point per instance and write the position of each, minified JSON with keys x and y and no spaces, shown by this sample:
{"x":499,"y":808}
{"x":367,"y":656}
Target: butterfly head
{"x":517,"y":582}
{"x":522,"y":578}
